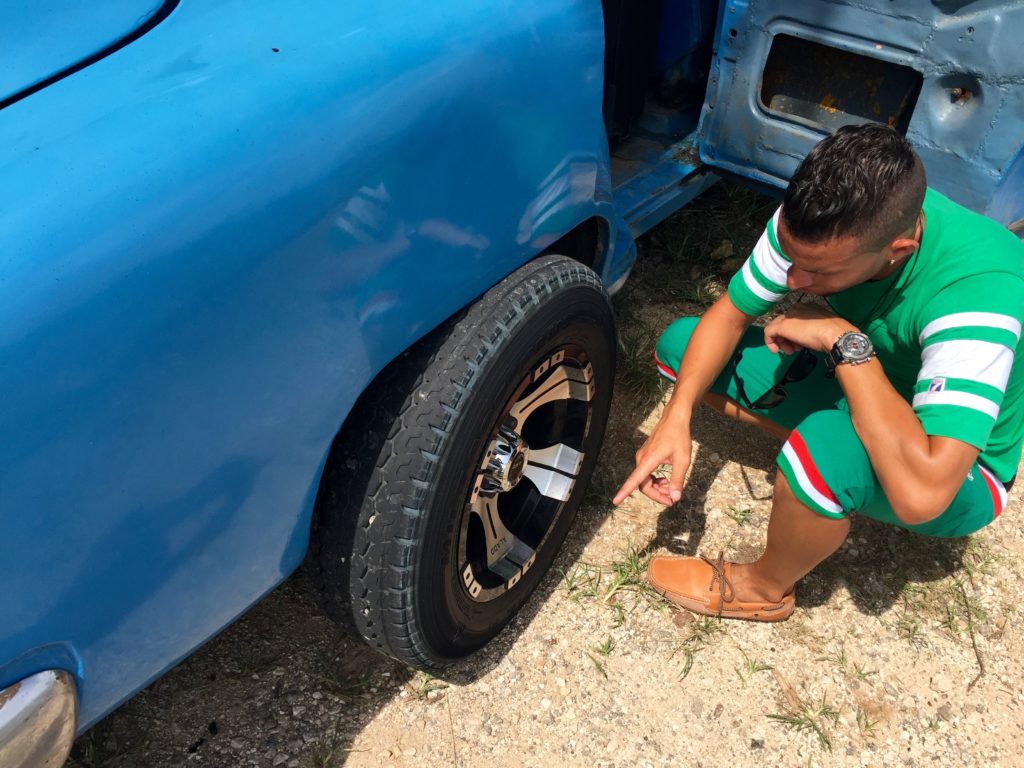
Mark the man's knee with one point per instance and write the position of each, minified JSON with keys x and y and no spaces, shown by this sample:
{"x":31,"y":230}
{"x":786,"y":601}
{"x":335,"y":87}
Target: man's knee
{"x":672,"y":345}
{"x":826,"y":465}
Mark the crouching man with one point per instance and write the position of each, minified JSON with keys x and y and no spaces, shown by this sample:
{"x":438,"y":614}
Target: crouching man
{"x":903,"y":403}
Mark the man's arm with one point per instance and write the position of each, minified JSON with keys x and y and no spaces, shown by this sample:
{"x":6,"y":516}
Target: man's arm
{"x":710,"y":347}
{"x":919,"y":473}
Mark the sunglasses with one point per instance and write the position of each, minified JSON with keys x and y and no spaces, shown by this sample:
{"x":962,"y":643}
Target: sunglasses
{"x":798,"y":370}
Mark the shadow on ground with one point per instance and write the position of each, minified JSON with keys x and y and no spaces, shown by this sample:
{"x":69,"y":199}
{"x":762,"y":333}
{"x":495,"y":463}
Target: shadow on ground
{"x":877,"y":566}
{"x":283,"y":686}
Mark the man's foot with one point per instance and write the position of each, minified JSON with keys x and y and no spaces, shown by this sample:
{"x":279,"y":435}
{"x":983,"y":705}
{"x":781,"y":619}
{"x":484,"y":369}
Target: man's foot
{"x":706,"y":586}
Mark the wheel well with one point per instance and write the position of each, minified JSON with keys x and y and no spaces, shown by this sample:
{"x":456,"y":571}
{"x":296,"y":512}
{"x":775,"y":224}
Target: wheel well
{"x":587,"y":243}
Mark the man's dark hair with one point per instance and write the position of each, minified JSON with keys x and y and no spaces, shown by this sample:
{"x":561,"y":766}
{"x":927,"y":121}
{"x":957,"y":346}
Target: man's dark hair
{"x":863,"y":181}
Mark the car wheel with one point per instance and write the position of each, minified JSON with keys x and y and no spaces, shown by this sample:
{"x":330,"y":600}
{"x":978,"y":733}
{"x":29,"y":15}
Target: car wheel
{"x":451,"y":490}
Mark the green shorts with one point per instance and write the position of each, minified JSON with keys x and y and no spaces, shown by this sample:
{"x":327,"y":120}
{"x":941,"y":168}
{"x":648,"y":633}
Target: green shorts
{"x":823,"y":460}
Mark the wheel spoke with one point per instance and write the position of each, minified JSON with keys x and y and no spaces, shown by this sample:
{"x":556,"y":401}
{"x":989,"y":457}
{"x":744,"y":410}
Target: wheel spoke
{"x":553,"y":470}
{"x":560,"y":457}
{"x":564,"y":383}
{"x":507,"y":556}
{"x":550,"y":483}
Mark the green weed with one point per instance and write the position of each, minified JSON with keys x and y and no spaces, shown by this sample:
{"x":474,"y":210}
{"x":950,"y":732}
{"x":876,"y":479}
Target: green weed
{"x":864,"y":723}
{"x":811,"y":718}
{"x":750,"y":667}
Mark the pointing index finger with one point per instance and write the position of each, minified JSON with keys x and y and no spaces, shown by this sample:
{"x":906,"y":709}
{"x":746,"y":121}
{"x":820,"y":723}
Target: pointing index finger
{"x":642,"y":470}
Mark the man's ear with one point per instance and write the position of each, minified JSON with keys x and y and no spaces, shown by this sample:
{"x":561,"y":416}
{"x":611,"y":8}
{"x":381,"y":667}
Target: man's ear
{"x":902,"y":247}
{"x":906,"y":245}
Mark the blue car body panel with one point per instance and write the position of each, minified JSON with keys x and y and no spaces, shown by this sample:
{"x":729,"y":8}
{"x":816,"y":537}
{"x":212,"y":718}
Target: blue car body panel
{"x":39,"y":40}
{"x":213,"y":240}
{"x":966,"y":123}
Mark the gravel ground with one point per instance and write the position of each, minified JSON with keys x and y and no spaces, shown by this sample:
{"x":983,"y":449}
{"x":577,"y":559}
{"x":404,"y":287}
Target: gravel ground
{"x":902,"y":650}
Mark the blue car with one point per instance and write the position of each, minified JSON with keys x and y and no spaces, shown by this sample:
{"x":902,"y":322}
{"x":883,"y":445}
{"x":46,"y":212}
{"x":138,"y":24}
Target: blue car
{"x":329,"y":282}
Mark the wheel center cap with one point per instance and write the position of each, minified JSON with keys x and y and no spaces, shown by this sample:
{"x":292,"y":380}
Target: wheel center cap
{"x":516,"y":468}
{"x":507,"y":463}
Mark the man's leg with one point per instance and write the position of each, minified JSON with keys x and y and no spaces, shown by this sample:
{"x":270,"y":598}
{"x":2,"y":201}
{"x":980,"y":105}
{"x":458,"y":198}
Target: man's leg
{"x":824,"y":475}
{"x":732,"y":409}
{"x":759,"y":369}
{"x":798,"y":539}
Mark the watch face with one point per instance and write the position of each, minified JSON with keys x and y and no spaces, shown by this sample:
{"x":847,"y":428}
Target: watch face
{"x":855,"y":346}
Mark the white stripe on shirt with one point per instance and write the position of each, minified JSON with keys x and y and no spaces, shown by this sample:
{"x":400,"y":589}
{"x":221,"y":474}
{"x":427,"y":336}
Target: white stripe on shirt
{"x":962,"y":399}
{"x":963,"y":319}
{"x":756,"y":288}
{"x":983,"y":361}
{"x":771,"y":264}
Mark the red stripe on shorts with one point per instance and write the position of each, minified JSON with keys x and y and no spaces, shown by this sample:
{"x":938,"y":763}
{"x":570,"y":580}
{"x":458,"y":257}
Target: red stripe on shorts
{"x":664,"y":368}
{"x":997,"y":504}
{"x":813,"y":475}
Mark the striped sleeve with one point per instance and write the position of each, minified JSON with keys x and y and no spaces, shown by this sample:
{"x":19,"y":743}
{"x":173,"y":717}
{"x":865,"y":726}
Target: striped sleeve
{"x":761,"y":283}
{"x":966,"y":359}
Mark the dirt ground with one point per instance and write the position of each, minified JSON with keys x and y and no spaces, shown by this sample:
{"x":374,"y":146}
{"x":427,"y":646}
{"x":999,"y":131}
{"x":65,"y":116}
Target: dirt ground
{"x":902,"y":651}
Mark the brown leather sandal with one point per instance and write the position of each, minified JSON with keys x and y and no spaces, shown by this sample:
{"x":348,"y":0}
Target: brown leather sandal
{"x":704,"y":586}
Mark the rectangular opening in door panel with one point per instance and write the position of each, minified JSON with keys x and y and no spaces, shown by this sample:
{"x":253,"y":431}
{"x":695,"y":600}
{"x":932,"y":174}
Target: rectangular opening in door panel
{"x":831,"y":87}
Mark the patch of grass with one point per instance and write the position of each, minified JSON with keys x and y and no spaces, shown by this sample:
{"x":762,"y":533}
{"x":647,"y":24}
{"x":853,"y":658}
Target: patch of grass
{"x":862,"y":674}
{"x":600,"y":490}
{"x":598,"y":665}
{"x":811,"y":717}
{"x":838,"y":658}
{"x":86,"y":751}
{"x":699,"y":633}
{"x":331,"y":751}
{"x":610,"y":584}
{"x":584,"y":580}
{"x":253,"y":660}
{"x":637,"y":372}
{"x":865,"y":723}
{"x":630,"y":572}
{"x":338,"y":677}
{"x":946,"y":603}
{"x":600,"y":652}
{"x":425,"y":684}
{"x":909,"y":628}
{"x":979,"y":559}
{"x":706,"y":627}
{"x":704,"y":291}
{"x":728,"y":212}
{"x":750,"y":667}
{"x":739,"y":516}
{"x":618,"y":614}
{"x":951,"y":618}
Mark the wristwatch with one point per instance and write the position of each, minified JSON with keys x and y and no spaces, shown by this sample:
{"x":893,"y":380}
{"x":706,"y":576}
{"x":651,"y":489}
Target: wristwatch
{"x":852,"y":347}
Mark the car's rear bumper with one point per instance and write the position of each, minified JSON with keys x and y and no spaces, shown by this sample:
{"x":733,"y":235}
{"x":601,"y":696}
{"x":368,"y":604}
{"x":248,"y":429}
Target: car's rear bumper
{"x":37,"y":721}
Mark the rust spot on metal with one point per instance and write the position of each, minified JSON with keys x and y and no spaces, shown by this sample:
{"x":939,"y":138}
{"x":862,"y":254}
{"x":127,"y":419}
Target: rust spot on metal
{"x":960,"y":95}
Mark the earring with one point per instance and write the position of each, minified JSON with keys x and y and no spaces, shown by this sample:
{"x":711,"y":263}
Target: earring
{"x":891,"y":262}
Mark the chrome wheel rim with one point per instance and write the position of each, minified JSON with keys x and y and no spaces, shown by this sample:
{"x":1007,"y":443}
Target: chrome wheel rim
{"x":523,"y":481}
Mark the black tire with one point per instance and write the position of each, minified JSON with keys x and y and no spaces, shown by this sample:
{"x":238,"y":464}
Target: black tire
{"x":412,"y":474}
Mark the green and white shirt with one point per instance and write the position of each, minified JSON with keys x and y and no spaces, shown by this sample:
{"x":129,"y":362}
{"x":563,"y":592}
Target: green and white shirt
{"x":946,"y":326}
